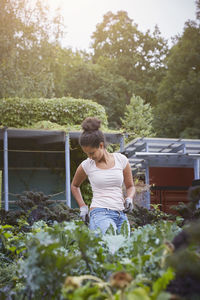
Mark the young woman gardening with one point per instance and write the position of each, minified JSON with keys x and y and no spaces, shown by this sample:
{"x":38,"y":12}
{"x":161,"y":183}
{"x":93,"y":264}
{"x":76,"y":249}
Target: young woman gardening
{"x":106,"y":173}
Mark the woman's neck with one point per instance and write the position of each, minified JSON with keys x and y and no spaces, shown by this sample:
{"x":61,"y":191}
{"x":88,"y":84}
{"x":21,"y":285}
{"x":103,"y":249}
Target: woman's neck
{"x":107,"y":161}
{"x":105,"y":157}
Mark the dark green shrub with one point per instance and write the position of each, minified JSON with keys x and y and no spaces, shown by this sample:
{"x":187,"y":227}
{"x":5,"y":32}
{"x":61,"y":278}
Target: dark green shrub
{"x":141,"y":216}
{"x":189,"y":211}
{"x":186,"y":262}
{"x":35,"y":206}
{"x":18,"y":112}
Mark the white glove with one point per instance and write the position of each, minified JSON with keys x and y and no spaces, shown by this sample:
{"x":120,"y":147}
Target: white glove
{"x":84,"y":213}
{"x":128,"y":204}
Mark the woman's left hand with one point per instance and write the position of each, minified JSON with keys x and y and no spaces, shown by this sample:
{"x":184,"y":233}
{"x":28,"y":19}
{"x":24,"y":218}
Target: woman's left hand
{"x":128,"y":204}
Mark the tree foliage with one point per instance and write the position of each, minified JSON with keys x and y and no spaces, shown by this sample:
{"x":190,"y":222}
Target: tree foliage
{"x":27,"y":30}
{"x":134,"y":55}
{"x":177,"y":114}
{"x":138,"y":118}
{"x":124,"y":61}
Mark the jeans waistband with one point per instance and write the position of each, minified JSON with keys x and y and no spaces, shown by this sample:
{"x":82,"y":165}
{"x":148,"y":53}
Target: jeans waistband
{"x":100,"y":209}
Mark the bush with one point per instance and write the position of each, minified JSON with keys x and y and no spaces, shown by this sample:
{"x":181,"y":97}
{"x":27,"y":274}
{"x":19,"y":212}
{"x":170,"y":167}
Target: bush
{"x":141,"y":216}
{"x":35,"y":206}
{"x":138,"y":118}
{"x":18,"y":112}
{"x":186,"y":263}
{"x":189,"y":211}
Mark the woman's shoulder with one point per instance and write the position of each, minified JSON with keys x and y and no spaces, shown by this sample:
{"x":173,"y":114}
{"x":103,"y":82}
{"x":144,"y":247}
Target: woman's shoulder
{"x":87,"y":164}
{"x":121,"y":158}
{"x":119,"y":155}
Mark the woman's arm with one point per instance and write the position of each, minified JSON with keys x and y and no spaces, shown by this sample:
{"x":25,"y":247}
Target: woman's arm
{"x":128,"y":181}
{"x":78,"y":179}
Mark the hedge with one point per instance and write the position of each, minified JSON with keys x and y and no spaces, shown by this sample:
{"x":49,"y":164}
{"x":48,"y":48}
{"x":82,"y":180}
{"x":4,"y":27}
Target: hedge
{"x":18,"y":112}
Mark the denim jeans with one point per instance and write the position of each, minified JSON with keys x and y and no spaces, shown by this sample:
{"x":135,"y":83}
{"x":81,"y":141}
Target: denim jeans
{"x":103,"y":217}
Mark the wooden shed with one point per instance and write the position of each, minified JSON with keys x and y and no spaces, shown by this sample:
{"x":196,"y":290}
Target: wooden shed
{"x":168,"y":165}
{"x":38,"y":160}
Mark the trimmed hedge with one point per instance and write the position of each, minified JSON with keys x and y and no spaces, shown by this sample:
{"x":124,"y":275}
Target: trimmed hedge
{"x":18,"y":112}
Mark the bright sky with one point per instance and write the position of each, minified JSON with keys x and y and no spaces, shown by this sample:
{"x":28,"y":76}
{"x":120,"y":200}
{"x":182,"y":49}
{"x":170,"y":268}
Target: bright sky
{"x":82,"y":16}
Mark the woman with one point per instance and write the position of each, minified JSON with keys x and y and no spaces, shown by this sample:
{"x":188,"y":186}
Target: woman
{"x":106,"y":173}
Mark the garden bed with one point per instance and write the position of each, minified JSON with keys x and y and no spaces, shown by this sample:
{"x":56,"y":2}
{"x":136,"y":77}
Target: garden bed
{"x":60,"y":258}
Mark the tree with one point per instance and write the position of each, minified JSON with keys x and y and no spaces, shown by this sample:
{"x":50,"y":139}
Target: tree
{"x":177,"y":114}
{"x":83,"y":79}
{"x":124,"y":62}
{"x":26,"y":34}
{"x":138,"y":118}
{"x":136,"y":56}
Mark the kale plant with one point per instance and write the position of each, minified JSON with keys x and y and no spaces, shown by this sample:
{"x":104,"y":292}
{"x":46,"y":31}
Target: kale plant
{"x":35,"y":206}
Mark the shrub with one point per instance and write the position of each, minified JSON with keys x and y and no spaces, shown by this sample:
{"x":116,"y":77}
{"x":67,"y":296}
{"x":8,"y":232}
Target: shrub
{"x":138,"y":118}
{"x":141,"y":216}
{"x":186,"y":263}
{"x":18,"y":112}
{"x":189,"y":211}
{"x":35,"y":206}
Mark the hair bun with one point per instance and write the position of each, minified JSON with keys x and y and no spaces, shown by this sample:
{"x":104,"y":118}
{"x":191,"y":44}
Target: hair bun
{"x":91,"y":124}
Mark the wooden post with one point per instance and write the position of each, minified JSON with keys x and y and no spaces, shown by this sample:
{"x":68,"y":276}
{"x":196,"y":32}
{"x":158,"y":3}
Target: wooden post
{"x":67,"y":171}
{"x":5,"y":151}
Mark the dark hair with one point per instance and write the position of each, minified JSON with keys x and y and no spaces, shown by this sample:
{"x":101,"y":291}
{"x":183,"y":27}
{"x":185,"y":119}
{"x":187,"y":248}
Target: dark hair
{"x":91,"y":135}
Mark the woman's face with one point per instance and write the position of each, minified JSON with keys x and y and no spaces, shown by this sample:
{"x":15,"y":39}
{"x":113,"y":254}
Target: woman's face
{"x":94,"y":153}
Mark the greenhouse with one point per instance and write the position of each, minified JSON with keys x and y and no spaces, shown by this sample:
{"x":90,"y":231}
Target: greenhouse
{"x":34,"y":160}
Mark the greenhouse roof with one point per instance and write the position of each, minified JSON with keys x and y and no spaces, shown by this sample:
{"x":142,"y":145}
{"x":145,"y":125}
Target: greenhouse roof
{"x":37,"y":138}
{"x":162,"y":152}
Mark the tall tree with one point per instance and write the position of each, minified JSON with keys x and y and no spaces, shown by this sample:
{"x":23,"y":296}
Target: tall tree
{"x":177,"y":114}
{"x":26,"y":33}
{"x":124,"y":50}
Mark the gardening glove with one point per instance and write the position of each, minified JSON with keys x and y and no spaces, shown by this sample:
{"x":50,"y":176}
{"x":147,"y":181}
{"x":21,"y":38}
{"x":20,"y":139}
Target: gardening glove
{"x":84,"y":214}
{"x":128,"y":204}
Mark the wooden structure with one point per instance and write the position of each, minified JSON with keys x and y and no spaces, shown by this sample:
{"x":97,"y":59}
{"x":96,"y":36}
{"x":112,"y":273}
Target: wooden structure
{"x":39,"y":160}
{"x":169,"y":165}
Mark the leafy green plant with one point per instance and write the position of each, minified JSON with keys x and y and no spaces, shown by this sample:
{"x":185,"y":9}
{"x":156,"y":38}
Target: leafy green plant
{"x":55,"y":252}
{"x":35,"y":206}
{"x":85,"y":287}
{"x":19,"y":112}
{"x":189,"y":211}
{"x":7,"y":273}
{"x":120,"y":286}
{"x":138,"y":118}
{"x":141,"y":216}
{"x":86,"y":191}
{"x":12,"y":243}
{"x":185,"y":260}
{"x":71,"y":249}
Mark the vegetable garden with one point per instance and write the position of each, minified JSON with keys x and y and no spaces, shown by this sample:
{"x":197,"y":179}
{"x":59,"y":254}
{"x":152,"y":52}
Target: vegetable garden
{"x":47,"y":252}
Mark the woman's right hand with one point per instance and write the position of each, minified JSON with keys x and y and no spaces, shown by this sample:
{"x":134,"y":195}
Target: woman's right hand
{"x":84,"y":213}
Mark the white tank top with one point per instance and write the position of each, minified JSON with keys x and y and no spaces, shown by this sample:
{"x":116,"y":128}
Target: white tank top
{"x":106,"y":183}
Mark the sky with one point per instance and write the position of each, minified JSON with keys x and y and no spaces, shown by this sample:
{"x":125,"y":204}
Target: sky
{"x":82,"y":16}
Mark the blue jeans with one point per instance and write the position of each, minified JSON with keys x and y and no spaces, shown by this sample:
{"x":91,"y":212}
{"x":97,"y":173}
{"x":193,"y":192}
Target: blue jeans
{"x":103,"y":217}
